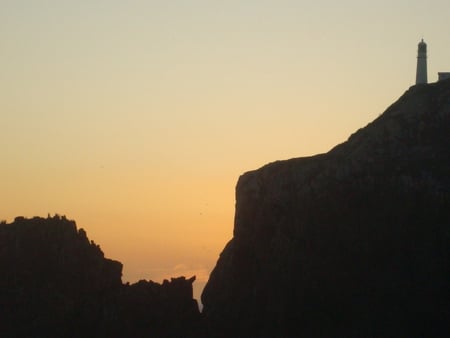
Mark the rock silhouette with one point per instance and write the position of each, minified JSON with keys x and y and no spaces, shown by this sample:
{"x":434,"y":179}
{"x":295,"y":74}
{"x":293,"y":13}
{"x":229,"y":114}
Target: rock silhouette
{"x":54,"y":282}
{"x":351,"y":243}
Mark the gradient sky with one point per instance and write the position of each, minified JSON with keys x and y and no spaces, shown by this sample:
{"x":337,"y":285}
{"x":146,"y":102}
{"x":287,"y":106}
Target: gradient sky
{"x":136,"y":118}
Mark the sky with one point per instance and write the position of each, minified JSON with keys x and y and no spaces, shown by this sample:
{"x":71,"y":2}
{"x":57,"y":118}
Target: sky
{"x":136,"y":118}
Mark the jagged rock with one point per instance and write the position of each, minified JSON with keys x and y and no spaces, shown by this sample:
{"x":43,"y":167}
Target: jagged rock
{"x":54,"y":282}
{"x":161,"y":310}
{"x":351,"y":243}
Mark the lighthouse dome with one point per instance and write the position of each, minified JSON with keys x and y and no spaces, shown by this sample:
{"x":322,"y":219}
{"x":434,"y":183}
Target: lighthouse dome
{"x":422,"y":46}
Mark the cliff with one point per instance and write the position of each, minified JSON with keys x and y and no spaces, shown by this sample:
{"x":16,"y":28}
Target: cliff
{"x":54,"y":282}
{"x":351,"y":243}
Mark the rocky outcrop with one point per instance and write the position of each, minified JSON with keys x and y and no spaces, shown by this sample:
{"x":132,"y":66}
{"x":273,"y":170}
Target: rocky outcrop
{"x":159,"y":310}
{"x":351,"y":243}
{"x":54,"y":282}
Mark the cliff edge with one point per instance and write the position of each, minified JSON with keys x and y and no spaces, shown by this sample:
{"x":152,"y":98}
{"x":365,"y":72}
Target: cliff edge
{"x":55,"y":282}
{"x":351,"y":243}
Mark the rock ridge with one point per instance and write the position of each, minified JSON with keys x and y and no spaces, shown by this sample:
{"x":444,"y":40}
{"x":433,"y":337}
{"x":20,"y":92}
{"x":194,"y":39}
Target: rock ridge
{"x":54,"y":282}
{"x":354,"y":242}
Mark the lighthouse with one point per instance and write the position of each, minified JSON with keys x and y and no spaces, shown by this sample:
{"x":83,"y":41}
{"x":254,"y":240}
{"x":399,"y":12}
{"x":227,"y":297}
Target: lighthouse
{"x":421,"y":73}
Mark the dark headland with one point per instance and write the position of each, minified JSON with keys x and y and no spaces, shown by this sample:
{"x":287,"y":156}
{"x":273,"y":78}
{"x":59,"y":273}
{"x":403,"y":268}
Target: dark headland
{"x":351,"y":243}
{"x":55,"y":283}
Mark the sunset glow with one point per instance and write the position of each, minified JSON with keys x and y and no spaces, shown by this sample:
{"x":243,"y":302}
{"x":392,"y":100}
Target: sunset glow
{"x":136,"y":118}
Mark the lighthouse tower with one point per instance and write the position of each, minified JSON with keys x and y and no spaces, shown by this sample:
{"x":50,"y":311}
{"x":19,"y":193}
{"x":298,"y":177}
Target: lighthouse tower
{"x":421,"y":73}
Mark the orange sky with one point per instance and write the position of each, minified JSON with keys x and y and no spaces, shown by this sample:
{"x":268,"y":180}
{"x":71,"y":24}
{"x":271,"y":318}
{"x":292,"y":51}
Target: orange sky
{"x":136,"y":118}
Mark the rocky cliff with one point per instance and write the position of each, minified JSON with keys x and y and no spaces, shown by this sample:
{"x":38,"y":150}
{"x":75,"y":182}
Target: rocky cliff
{"x":54,"y":282}
{"x":351,"y":243}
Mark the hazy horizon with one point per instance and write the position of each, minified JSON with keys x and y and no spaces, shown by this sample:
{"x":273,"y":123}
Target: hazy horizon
{"x":135,"y":119}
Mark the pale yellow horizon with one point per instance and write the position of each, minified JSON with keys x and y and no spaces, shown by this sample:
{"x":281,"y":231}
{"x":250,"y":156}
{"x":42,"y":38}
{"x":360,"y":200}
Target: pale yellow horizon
{"x":136,"y":118}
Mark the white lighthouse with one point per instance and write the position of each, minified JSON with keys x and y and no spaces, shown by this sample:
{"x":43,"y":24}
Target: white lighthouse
{"x":421,"y":73}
